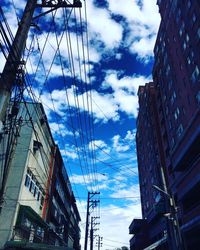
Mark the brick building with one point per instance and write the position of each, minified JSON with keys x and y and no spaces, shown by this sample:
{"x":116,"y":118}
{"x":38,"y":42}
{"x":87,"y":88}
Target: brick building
{"x":176,"y":77}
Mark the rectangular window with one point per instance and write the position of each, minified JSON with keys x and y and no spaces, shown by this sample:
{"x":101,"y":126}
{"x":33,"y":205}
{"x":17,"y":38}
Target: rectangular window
{"x":27,"y":181}
{"x":198,"y":97}
{"x":195,"y":74}
{"x":194,"y":18}
{"x":32,"y":187}
{"x":36,"y":192}
{"x":38,"y":195}
{"x":198,"y":33}
{"x":177,"y":113}
{"x":167,"y":70}
{"x":188,"y":60}
{"x":180,"y":130}
{"x":182,"y":28}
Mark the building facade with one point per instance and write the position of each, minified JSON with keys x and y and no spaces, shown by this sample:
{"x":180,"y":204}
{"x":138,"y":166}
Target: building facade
{"x":36,"y":181}
{"x":152,"y":229}
{"x":176,"y":77}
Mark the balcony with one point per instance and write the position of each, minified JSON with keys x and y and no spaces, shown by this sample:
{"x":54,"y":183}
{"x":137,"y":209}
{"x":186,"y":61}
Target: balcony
{"x":138,"y":241}
{"x":136,"y":225}
{"x":186,"y":153}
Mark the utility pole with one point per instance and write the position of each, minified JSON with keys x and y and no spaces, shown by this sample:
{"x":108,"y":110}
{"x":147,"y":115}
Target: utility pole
{"x":13,"y":67}
{"x":93,"y":224}
{"x":99,"y":242}
{"x":91,"y":204}
{"x":176,"y":236}
{"x":91,"y":234}
{"x":8,"y":75}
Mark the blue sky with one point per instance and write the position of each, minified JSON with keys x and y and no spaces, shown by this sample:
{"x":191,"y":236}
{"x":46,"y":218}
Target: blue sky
{"x":89,"y":91}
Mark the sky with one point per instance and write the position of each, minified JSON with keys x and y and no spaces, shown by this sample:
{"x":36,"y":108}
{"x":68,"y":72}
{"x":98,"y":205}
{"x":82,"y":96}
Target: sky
{"x":85,"y":67}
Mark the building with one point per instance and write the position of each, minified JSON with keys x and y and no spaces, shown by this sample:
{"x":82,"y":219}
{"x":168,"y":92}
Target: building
{"x":176,"y":77}
{"x":62,"y":214}
{"x":152,"y":228}
{"x":39,"y":208}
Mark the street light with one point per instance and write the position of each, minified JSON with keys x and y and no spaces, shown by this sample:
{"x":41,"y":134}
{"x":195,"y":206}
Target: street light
{"x":173,"y":212}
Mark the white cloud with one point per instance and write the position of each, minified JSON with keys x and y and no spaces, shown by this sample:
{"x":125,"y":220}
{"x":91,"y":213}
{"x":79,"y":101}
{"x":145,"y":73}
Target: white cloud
{"x":103,"y":27}
{"x":59,"y":129}
{"x":87,"y":178}
{"x":69,"y":153}
{"x":119,"y":147}
{"x":119,"y":219}
{"x":143,"y":23}
{"x":96,"y":144}
{"x":125,"y":90}
{"x":130,"y":135}
{"x":129,"y":193}
{"x":143,"y":47}
{"x":104,"y":107}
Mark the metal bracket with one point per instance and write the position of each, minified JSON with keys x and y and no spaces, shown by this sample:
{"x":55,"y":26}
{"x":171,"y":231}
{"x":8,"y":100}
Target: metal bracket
{"x":60,"y":3}
{"x":55,"y":4}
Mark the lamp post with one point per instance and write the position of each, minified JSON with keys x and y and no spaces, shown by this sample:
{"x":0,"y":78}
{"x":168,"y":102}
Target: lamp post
{"x":173,"y":212}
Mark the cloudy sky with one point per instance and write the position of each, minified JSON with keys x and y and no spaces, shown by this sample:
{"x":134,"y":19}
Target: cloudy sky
{"x":85,"y":66}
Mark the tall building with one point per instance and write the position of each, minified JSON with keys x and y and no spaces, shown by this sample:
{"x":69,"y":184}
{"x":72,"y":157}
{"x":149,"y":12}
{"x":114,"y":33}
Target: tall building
{"x":152,"y":229}
{"x":176,"y":77}
{"x":39,"y":209}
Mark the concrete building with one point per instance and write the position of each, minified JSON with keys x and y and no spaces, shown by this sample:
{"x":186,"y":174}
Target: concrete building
{"x":34,"y":186}
{"x":176,"y":77}
{"x":61,"y":212}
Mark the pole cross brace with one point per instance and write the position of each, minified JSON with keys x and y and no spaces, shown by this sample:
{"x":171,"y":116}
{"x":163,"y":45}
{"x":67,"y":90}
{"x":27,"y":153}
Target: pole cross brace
{"x":60,"y":3}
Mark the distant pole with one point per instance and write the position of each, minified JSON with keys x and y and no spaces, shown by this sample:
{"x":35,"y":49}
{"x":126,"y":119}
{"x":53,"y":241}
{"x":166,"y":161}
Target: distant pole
{"x":91,"y":234}
{"x":90,"y":204}
{"x":87,"y":222}
{"x":99,"y":243}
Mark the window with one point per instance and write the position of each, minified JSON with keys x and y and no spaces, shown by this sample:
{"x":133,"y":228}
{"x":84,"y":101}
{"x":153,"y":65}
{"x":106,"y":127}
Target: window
{"x":173,"y":98}
{"x":187,"y":38}
{"x":194,"y":18}
{"x":177,"y":113}
{"x":188,"y":60}
{"x":180,"y":130}
{"x":36,"y":192}
{"x":174,"y":38}
{"x":27,"y":181}
{"x":195,"y":74}
{"x":182,"y":29}
{"x":184,"y":45}
{"x":33,"y":185}
{"x":198,"y":33}
{"x":189,"y":4}
{"x":167,"y":70}
{"x":170,"y":84}
{"x":36,"y":145}
{"x":198,"y":97}
{"x":172,"y":142}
